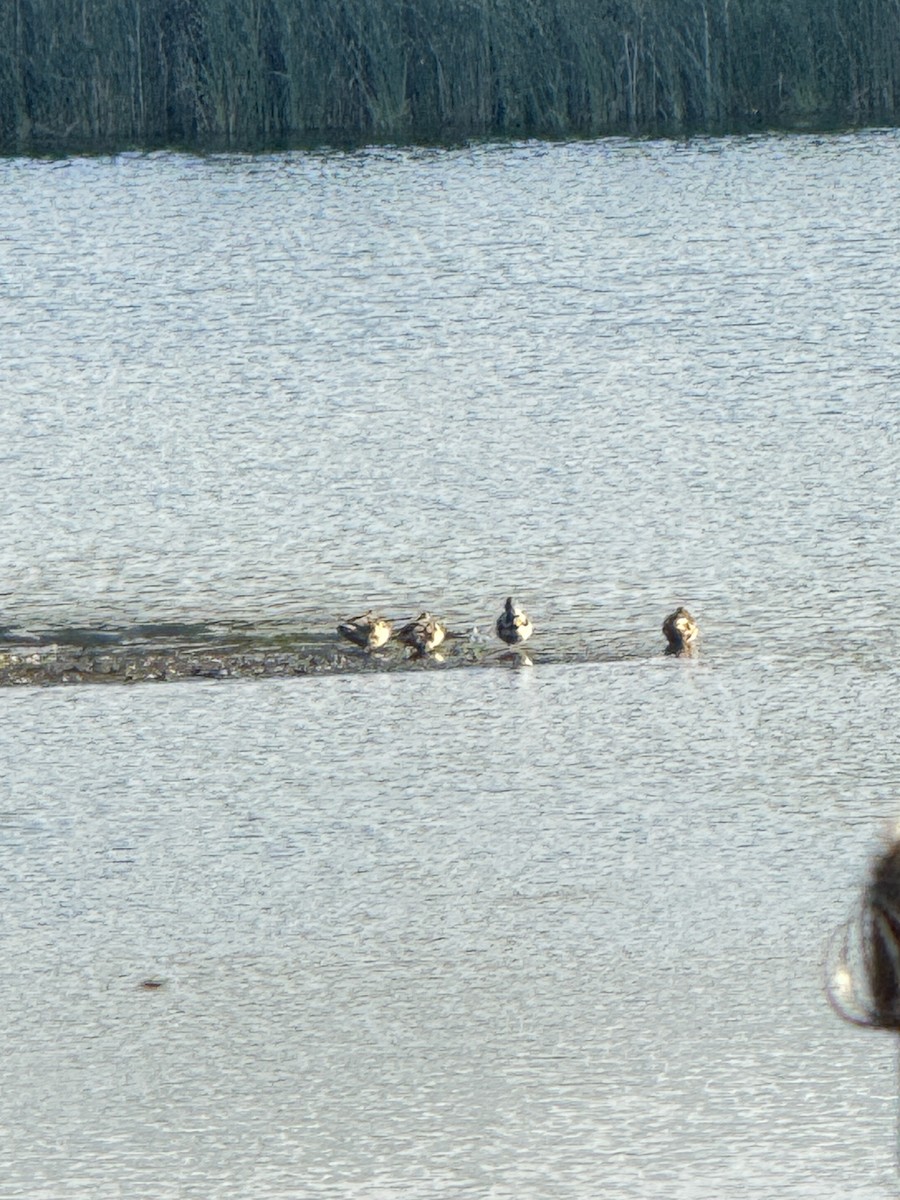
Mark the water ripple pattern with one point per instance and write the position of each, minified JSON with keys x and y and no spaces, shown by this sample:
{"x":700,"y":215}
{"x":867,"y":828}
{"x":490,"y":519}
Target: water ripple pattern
{"x":607,"y":376}
{"x":551,"y":932}
{"x":587,"y":962}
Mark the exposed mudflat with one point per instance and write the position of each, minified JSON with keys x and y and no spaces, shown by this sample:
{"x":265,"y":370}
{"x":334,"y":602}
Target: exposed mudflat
{"x":106,"y":656}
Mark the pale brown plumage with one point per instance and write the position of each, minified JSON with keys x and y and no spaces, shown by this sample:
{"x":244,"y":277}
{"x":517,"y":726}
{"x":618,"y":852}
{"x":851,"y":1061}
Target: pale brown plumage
{"x":367,"y":630}
{"x":681,"y":632}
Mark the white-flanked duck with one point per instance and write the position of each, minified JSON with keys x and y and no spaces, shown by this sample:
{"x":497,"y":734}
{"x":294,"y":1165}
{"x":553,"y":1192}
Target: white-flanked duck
{"x":513,"y":625}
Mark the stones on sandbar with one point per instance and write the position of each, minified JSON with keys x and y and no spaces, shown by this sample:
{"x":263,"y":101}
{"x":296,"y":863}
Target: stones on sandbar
{"x":284,"y":655}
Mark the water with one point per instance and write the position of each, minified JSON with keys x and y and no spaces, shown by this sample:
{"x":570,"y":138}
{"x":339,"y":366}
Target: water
{"x":542,"y":931}
{"x":609,"y":376}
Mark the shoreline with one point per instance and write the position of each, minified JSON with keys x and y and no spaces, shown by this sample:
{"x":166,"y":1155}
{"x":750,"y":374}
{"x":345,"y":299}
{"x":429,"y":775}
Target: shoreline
{"x":55,"y":665}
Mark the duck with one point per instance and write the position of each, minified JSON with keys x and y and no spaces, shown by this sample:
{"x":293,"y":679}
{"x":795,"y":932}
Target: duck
{"x":424,"y":634}
{"x":367,"y":630}
{"x":681,"y":632}
{"x":513,"y":626}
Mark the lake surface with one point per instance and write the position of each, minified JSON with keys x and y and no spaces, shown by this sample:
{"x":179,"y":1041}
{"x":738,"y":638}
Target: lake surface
{"x":532,"y":932}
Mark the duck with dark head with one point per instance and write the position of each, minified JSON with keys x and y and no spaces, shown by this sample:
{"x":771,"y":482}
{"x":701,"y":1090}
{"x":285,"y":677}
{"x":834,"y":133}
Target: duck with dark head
{"x":513,"y":625}
{"x":681,"y":632}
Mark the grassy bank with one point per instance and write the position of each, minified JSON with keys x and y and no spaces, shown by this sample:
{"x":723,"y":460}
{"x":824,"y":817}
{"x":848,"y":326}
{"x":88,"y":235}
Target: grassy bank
{"x":249,"y":73}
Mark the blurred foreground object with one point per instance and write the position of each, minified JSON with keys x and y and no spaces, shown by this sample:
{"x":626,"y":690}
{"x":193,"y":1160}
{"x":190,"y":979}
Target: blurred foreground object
{"x":863,"y":980}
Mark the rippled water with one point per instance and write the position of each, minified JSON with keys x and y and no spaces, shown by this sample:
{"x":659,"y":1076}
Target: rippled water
{"x":607,"y":376}
{"x":533,"y":932}
{"x":552,"y":932}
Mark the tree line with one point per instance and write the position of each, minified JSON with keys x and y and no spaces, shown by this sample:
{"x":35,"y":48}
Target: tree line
{"x":81,"y":74}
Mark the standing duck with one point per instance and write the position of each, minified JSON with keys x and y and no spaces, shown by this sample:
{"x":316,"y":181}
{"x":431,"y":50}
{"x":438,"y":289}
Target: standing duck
{"x":513,"y":626}
{"x":367,"y":631}
{"x":424,"y":634}
{"x":681,"y":632}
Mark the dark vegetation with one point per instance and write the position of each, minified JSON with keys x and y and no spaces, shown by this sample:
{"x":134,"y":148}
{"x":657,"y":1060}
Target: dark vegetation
{"x":81,"y":74}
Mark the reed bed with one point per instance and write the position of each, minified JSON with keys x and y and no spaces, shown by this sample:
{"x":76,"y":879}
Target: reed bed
{"x":254,"y":73}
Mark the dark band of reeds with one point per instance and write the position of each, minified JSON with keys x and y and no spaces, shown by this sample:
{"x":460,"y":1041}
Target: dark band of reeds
{"x":251,"y":73}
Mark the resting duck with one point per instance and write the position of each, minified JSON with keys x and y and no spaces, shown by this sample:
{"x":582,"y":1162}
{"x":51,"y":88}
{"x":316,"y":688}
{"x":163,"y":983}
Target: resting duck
{"x":424,"y":634}
{"x":367,"y":631}
{"x":681,"y":632}
{"x":513,"y":626}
